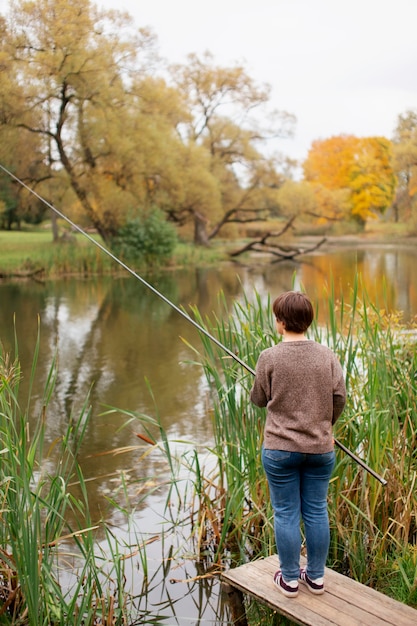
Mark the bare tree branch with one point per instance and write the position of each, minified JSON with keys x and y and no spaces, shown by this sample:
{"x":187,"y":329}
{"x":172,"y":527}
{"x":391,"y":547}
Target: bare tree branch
{"x":231,"y":216}
{"x":283,"y":253}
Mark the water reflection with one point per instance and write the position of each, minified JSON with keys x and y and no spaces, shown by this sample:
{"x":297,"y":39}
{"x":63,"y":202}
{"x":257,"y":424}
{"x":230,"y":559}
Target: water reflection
{"x":176,"y":592}
{"x":386,"y":272}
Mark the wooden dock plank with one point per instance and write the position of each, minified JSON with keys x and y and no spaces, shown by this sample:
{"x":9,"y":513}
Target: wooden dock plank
{"x":344,"y":603}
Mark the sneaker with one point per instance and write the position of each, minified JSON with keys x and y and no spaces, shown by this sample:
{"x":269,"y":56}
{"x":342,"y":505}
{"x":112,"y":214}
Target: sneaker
{"x":315,"y":586}
{"x":289,"y":589}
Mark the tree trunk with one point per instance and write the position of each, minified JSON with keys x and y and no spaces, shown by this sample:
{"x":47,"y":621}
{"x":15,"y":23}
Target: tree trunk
{"x":54,"y":225}
{"x":200,"y":229}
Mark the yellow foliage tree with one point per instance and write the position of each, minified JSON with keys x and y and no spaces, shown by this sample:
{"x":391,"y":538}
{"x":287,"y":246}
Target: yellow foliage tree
{"x":372,"y":179}
{"x":120,"y":138}
{"x":102,"y":119}
{"x":222,"y":102}
{"x":405,"y":166}
{"x":361,"y":167}
{"x":329,"y":161}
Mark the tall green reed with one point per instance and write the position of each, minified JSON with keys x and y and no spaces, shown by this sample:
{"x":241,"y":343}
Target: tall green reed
{"x":238,"y":492}
{"x":372,"y":527}
{"x":375,"y":523}
{"x":36,"y":537}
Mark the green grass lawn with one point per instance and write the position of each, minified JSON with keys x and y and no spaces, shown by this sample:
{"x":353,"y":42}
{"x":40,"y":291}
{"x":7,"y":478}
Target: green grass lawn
{"x":18,"y":247}
{"x":31,"y":250}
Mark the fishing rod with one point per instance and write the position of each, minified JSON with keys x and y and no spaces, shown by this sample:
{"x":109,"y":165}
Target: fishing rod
{"x":181,"y":312}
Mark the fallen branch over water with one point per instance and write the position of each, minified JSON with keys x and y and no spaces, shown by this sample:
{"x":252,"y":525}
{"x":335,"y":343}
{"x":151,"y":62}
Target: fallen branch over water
{"x":264,"y":245}
{"x":283,"y":253}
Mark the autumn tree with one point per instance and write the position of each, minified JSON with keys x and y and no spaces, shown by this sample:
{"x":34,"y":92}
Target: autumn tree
{"x":361,"y":168}
{"x":297,"y":198}
{"x":405,"y":166}
{"x":222,"y":102}
{"x":372,"y":180}
{"x":18,"y":152}
{"x":115,"y":138}
{"x":84,"y":91}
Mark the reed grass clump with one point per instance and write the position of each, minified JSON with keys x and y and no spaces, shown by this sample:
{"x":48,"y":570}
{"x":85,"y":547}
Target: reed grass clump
{"x":77,"y":258}
{"x":38,"y":541}
{"x":373,"y":528}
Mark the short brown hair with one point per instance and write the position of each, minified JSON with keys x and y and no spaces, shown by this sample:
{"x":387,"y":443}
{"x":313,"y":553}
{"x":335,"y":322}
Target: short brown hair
{"x":295,"y":310}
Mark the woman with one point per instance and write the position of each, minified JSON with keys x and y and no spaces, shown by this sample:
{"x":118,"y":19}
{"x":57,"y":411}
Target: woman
{"x":302,"y":385}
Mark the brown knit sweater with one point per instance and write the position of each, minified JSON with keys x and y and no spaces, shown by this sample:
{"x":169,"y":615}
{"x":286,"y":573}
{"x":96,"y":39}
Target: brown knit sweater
{"x":302,"y":385}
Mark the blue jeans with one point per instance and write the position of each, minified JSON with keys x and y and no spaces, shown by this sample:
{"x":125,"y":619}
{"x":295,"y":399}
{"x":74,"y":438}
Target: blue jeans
{"x":298,"y":486}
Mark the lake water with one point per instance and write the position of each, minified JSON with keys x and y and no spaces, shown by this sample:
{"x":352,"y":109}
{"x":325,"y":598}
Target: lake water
{"x":117,"y":340}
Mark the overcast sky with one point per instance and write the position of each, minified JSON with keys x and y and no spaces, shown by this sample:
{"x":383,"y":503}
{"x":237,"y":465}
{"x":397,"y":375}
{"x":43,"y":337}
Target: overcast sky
{"x":340,"y":66}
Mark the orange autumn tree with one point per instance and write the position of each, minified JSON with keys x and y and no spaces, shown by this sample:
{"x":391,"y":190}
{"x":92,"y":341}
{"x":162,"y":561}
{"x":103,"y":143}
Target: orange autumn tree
{"x":358,"y":166}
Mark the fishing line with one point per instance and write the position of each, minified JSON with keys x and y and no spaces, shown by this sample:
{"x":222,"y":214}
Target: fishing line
{"x":200,"y":328}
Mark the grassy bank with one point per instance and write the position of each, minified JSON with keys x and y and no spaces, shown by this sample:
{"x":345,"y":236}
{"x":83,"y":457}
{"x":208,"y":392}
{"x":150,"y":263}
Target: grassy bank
{"x":33,"y":253}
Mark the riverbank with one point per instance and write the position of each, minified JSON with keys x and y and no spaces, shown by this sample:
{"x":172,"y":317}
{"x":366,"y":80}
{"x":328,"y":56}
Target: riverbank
{"x":32,"y":254}
{"x":370,"y":239}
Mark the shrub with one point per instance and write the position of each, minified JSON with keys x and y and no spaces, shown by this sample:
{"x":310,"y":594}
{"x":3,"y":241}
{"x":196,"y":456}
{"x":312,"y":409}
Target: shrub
{"x":148,"y":239}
